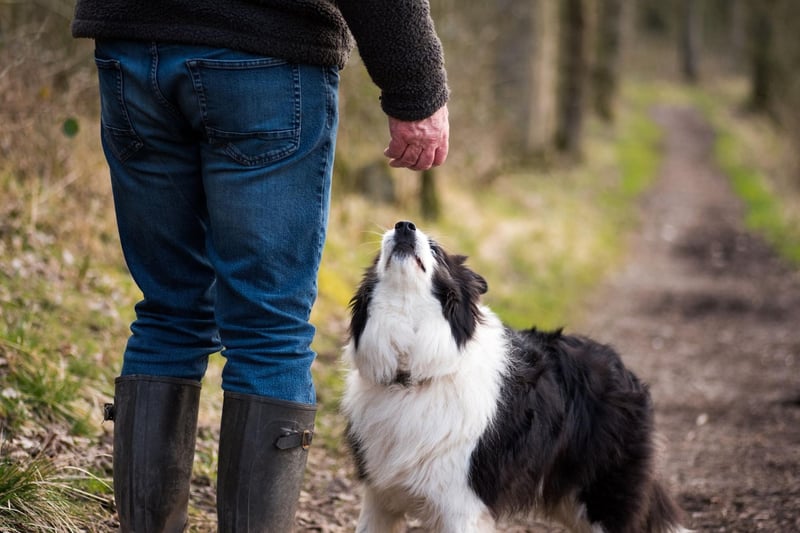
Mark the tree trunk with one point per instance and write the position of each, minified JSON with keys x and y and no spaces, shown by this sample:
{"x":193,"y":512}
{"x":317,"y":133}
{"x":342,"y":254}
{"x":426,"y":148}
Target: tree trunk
{"x":604,"y":75}
{"x":689,"y":37}
{"x":572,"y":74}
{"x":543,"y":93}
{"x":784,"y":87}
{"x":761,"y":56}
{"x":429,"y":198}
{"x":515,"y":56}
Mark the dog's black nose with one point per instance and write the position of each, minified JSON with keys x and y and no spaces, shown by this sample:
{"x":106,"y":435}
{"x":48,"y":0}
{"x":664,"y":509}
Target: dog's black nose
{"x":405,"y":233}
{"x":405,"y":227}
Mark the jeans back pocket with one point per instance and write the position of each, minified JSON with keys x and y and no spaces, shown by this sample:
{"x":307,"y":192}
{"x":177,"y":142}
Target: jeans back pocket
{"x":250,"y":107}
{"x":117,"y":129}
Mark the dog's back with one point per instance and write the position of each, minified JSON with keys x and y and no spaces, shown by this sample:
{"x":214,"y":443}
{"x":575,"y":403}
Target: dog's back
{"x":577,"y":425}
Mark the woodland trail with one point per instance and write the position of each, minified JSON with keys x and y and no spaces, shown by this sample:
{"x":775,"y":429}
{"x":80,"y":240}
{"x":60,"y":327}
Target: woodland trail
{"x":709,"y":316}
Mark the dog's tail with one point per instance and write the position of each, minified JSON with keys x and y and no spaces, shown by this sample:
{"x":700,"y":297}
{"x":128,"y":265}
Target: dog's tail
{"x":663,"y":515}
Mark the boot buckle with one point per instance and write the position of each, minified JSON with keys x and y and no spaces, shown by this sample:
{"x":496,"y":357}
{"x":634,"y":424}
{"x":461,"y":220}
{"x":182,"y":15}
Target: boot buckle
{"x":308,"y":436}
{"x":109,"y":412}
{"x":295,"y":439}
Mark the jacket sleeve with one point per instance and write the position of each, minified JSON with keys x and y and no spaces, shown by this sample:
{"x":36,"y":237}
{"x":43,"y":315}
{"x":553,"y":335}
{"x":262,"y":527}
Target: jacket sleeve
{"x":403,"y":55}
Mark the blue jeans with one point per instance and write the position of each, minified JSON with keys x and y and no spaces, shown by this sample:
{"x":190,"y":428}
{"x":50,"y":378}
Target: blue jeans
{"x":221,"y":166}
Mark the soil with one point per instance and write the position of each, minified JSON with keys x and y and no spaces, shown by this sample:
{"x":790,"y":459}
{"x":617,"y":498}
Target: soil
{"x":708,"y":315}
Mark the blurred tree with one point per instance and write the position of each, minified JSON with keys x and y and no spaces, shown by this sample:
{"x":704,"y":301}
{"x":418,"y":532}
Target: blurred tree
{"x":606,"y":60}
{"x":761,"y":54}
{"x":785,"y":89}
{"x":653,"y":16}
{"x":689,"y":38}
{"x":429,"y":198}
{"x":525,"y":70}
{"x":572,"y":76}
{"x":542,"y":118}
{"x":737,"y":34}
{"x":515,"y":52}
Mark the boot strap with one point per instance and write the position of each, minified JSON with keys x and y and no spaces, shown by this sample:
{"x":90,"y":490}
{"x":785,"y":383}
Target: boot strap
{"x":295,"y":439}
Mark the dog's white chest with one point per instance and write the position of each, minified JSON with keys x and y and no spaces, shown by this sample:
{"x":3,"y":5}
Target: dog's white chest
{"x":415,"y":342}
{"x":423,"y":433}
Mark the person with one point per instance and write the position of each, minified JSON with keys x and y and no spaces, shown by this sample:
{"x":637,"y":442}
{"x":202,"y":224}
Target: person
{"x":218,"y":123}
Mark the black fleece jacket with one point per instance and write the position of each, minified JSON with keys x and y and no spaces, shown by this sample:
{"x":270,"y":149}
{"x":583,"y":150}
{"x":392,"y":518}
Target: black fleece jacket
{"x":395,"y":38}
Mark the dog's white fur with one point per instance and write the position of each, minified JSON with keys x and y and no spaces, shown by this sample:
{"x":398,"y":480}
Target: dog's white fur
{"x":417,"y":462}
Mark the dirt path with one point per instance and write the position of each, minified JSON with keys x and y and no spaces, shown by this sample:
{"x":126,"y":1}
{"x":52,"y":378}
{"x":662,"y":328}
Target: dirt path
{"x":707,"y":314}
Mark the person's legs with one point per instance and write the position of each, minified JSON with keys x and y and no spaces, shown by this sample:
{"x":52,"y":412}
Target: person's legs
{"x":267,"y":175}
{"x":271,"y":128}
{"x":154,"y":161}
{"x":221,"y":165}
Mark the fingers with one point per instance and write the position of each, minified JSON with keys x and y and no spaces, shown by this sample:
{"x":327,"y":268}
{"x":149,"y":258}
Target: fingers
{"x":414,"y":158}
{"x":419,"y":145}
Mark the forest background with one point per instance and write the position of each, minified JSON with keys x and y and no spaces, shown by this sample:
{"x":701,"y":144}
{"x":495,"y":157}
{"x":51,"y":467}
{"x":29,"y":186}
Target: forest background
{"x":552,"y":144}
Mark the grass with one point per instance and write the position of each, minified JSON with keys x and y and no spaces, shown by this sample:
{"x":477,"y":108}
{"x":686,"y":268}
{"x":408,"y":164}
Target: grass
{"x":38,"y":496}
{"x":768,"y":212}
{"x":765,"y":211}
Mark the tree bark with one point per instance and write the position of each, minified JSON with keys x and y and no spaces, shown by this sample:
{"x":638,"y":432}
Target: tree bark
{"x":605,"y":72}
{"x":515,"y":56}
{"x":761,"y":56}
{"x":572,"y":74}
{"x":689,"y":37}
{"x":429,"y":198}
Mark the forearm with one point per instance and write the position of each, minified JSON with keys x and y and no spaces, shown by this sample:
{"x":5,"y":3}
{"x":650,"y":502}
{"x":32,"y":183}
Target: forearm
{"x":403,"y":55}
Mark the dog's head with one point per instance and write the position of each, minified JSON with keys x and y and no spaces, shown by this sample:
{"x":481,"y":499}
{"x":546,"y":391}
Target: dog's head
{"x":413,"y":271}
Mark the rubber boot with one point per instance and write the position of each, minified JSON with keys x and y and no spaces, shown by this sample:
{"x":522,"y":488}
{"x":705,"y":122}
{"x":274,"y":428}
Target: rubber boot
{"x":263,"y":447}
{"x":155,"y":427}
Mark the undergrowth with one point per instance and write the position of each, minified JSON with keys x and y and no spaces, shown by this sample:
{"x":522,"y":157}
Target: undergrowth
{"x":767,"y":210}
{"x":38,"y":496}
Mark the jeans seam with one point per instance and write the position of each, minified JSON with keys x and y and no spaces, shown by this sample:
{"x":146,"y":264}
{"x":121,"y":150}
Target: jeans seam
{"x":329,"y":99}
{"x":298,"y":101}
{"x":136,"y":143}
{"x":154,"y":82}
{"x":327,"y":166}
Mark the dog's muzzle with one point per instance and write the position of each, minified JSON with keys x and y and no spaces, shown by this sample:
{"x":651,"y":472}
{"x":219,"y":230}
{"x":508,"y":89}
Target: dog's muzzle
{"x":405,"y":242}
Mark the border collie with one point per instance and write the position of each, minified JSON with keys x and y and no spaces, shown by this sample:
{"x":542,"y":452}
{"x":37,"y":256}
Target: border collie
{"x":457,"y":420}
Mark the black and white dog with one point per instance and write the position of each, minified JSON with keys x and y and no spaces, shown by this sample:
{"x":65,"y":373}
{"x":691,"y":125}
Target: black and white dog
{"x":457,"y":420}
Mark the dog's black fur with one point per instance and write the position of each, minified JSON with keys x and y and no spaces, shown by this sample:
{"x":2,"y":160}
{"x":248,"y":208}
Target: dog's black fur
{"x":572,"y":422}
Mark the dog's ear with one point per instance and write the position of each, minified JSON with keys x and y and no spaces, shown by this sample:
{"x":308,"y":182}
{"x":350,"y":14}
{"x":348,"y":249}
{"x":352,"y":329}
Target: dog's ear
{"x":359,"y":304}
{"x":476,"y":279}
{"x":480,"y":283}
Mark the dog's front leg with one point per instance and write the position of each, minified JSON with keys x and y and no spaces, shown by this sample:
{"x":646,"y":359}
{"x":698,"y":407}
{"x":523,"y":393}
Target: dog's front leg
{"x":376,"y":518}
{"x":464,"y":513}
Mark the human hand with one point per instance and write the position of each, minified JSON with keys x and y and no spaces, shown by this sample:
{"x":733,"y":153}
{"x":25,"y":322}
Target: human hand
{"x":419,"y":144}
